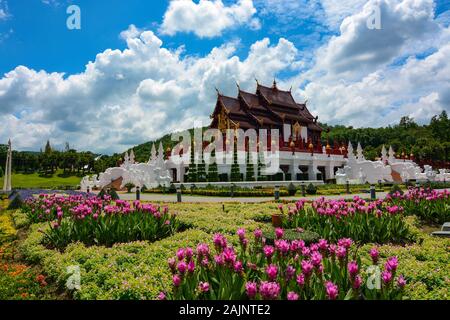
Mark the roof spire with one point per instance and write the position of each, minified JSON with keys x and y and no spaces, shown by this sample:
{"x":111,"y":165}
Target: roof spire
{"x":237,"y":85}
{"x":274,"y":86}
{"x":218,"y":92}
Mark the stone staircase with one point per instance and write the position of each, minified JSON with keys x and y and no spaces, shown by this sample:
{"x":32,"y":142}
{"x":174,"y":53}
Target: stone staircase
{"x":396,"y":176}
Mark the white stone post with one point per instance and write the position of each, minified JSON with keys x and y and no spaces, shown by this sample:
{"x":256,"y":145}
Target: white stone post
{"x":8,"y":167}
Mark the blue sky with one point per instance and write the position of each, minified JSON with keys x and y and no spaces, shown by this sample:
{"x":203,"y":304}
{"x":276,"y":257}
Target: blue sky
{"x":162,"y":59}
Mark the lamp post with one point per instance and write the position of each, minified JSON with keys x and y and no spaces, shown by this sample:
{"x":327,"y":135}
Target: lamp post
{"x":138,"y":193}
{"x":178,"y":193}
{"x":277,"y":193}
{"x":373,"y":195}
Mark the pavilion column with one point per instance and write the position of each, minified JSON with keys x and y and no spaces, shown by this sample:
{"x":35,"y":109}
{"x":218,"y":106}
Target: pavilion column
{"x":312,"y":171}
{"x":329,"y":171}
{"x":294,"y":170}
{"x":180,"y":173}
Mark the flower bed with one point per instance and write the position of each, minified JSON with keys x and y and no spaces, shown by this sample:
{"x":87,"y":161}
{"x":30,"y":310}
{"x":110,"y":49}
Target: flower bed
{"x":96,"y":221}
{"x":429,"y":205}
{"x":289,"y":270}
{"x":360,"y":220}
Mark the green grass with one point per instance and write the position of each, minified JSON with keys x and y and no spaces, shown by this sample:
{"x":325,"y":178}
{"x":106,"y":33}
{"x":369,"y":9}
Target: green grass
{"x":35,"y":180}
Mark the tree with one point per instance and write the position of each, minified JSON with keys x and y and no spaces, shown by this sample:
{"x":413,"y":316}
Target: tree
{"x":235,"y":170}
{"x":261,"y":168}
{"x":213,"y":175}
{"x":201,"y":170}
{"x":250,"y":170}
{"x":192,"y":173}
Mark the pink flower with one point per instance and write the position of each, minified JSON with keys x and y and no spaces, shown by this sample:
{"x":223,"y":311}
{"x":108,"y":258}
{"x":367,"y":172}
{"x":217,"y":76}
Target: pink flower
{"x":180,"y":254}
{"x":357,"y":282}
{"x":176,"y":280}
{"x":352,"y":268}
{"x":401,"y":282}
{"x":332,"y":249}
{"x":282,"y":246}
{"x":191,"y":266}
{"x":251,"y":289}
{"x":272,"y":272}
{"x":341,"y":252}
{"x":268,"y":251}
{"x":269,"y":290}
{"x":219,"y":241}
{"x":162,"y":296}
{"x":241,"y":233}
{"x":189,"y":253}
{"x":386,"y":276}
{"x":202,"y":249}
{"x":203,"y":286}
{"x":307,"y":268}
{"x":182,"y":267}
{"x":316,"y":258}
{"x":323,"y":244}
{"x":172,"y":264}
{"x":345,"y":242}
{"x":391,"y":264}
{"x":205,"y":262}
{"x":292,"y":295}
{"x":229,"y":256}
{"x":238,"y":267}
{"x":301,"y":280}
{"x":218,"y":259}
{"x":257,"y":233}
{"x":374,"y":254}
{"x":305,"y":251}
{"x":331,"y":290}
{"x":290,"y":272}
{"x":279,"y":233}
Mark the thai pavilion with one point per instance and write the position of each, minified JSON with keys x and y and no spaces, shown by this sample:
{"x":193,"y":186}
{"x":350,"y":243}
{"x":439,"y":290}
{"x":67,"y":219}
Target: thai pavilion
{"x":301,"y":154}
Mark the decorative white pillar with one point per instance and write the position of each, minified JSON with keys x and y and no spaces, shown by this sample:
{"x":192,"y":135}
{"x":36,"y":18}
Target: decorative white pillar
{"x":8,"y":167}
{"x":312,"y":171}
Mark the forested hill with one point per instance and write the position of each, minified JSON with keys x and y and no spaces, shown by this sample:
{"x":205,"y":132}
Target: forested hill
{"x":430,"y":141}
{"x":426,"y":142}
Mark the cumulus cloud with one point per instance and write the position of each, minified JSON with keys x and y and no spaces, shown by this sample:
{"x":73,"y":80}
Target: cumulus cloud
{"x":355,"y":83}
{"x":207,"y":18}
{"x":358,"y":50}
{"x":127,"y":97}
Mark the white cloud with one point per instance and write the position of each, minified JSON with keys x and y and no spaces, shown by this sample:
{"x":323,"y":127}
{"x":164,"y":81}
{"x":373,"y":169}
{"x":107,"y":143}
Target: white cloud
{"x":354,"y":80}
{"x":207,"y":19}
{"x":127,"y":97}
{"x":4,"y":14}
{"x":358,"y":50}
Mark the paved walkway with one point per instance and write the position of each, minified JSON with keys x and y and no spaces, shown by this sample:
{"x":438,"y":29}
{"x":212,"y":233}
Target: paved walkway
{"x":199,"y":199}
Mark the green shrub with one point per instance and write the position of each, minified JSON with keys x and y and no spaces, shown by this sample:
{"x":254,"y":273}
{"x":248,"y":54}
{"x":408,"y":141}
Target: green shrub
{"x":129,"y":187}
{"x":292,"y":190}
{"x":395,"y":189}
{"x":311,"y":189}
{"x":113,"y":193}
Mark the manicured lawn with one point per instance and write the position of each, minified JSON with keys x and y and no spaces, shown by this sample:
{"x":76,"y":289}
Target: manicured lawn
{"x":35,"y":181}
